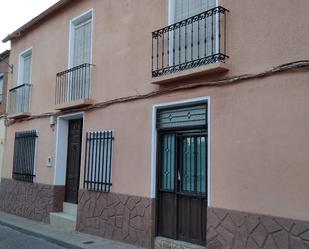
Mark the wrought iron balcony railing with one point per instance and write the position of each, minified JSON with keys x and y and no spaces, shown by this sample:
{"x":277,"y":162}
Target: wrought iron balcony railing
{"x":73,"y":84}
{"x":19,"y":99}
{"x":190,"y":43}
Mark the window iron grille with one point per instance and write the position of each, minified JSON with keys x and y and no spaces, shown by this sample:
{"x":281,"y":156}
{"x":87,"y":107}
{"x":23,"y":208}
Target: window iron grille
{"x":19,"y":99}
{"x":190,"y":43}
{"x":98,"y":161}
{"x":73,"y":84}
{"x":24,"y":155}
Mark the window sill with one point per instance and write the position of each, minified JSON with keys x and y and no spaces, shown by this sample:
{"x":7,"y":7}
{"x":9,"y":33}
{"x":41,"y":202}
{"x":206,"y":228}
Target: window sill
{"x":218,"y":67}
{"x":74,"y":104}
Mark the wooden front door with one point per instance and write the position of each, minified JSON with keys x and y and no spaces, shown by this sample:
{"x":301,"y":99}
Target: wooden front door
{"x":182,"y":186}
{"x":73,"y":160}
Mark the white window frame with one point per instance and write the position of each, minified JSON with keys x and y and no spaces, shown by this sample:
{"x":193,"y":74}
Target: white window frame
{"x":61,"y":154}
{"x":87,"y":15}
{"x":171,"y":11}
{"x":21,"y":58}
{"x":171,"y":19}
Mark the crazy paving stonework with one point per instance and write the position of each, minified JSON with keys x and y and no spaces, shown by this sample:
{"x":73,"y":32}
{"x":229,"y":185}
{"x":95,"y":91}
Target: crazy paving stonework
{"x":238,"y":230}
{"x":30,"y":200}
{"x":115,"y":216}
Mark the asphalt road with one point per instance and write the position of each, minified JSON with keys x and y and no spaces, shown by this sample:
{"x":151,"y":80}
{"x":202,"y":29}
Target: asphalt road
{"x":12,"y":239}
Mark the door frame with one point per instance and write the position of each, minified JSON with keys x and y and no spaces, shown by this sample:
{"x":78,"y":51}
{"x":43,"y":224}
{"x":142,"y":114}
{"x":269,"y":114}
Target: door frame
{"x":80,"y":158}
{"x":62,"y":147}
{"x":154,"y":141}
{"x":177,"y":194}
{"x":154,"y":146}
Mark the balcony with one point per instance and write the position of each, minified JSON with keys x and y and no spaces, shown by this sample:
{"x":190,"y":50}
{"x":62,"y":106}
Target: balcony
{"x":197,"y":43}
{"x":73,"y":87}
{"x":19,"y":101}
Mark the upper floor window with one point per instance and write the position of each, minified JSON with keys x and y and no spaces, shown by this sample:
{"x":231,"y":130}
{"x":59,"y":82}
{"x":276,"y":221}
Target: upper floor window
{"x":81,"y":40}
{"x":182,"y":9}
{"x":24,"y":155}
{"x":195,"y":36}
{"x":25,"y":67}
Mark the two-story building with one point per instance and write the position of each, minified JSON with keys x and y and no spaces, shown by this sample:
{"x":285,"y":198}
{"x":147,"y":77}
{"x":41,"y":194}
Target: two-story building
{"x":162,"y":122}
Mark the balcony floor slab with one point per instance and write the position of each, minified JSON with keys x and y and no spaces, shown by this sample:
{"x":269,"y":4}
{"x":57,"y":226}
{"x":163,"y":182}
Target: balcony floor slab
{"x":205,"y":70}
{"x":74,"y":104}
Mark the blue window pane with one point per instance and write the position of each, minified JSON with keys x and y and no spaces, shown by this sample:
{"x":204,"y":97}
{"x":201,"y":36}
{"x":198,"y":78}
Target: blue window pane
{"x":194,"y":164}
{"x":188,"y":164}
{"x":168,"y":162}
{"x":201,"y":165}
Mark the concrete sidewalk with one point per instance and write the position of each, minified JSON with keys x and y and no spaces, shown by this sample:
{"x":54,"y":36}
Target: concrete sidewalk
{"x":70,"y":240}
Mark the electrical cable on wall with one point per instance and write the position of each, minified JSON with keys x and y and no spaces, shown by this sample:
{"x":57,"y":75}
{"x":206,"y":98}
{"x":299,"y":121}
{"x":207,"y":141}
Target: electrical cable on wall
{"x":302,"y":65}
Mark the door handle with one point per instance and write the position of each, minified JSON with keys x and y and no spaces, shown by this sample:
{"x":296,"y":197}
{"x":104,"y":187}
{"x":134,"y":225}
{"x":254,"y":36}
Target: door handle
{"x":179,"y":177}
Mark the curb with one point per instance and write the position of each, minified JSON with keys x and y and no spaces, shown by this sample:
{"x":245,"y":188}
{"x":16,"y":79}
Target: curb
{"x":41,"y":236}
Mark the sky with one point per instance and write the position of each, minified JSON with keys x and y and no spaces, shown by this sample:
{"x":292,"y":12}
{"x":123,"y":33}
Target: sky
{"x":15,"y":13}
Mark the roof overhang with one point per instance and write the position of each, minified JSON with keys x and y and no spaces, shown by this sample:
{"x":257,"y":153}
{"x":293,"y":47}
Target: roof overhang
{"x":19,"y":32}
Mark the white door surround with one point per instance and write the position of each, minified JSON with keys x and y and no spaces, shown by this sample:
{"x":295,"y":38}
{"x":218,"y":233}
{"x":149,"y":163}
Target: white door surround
{"x":154,"y":142}
{"x":62,"y":146}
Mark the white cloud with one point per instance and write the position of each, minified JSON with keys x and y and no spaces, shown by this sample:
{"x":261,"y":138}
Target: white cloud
{"x":15,"y":13}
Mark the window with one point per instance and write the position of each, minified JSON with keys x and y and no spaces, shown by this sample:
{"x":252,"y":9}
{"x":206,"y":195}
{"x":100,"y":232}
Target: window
{"x":200,"y":34}
{"x":98,"y":171}
{"x":79,"y":78}
{"x":24,"y":155}
{"x":1,"y":87}
{"x":81,"y":40}
{"x":194,"y":150}
{"x":168,"y":161}
{"x":25,"y":67}
{"x":182,"y":9}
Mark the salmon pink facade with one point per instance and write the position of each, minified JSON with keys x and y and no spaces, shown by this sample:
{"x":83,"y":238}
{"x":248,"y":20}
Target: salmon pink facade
{"x":162,"y":123}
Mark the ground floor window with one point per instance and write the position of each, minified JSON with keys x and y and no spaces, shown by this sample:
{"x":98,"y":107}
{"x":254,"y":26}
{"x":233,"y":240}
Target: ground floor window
{"x":24,"y":155}
{"x":98,"y":164}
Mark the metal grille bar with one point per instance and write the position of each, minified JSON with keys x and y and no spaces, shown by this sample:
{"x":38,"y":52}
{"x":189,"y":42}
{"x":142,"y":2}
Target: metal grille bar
{"x":98,"y":161}
{"x":73,"y":84}
{"x":19,"y":99}
{"x":190,"y":43}
{"x":24,"y":155}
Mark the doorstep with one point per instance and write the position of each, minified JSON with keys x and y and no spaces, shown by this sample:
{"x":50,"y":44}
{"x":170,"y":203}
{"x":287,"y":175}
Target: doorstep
{"x":61,"y":237}
{"x":65,"y":219}
{"x":165,"y":243}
